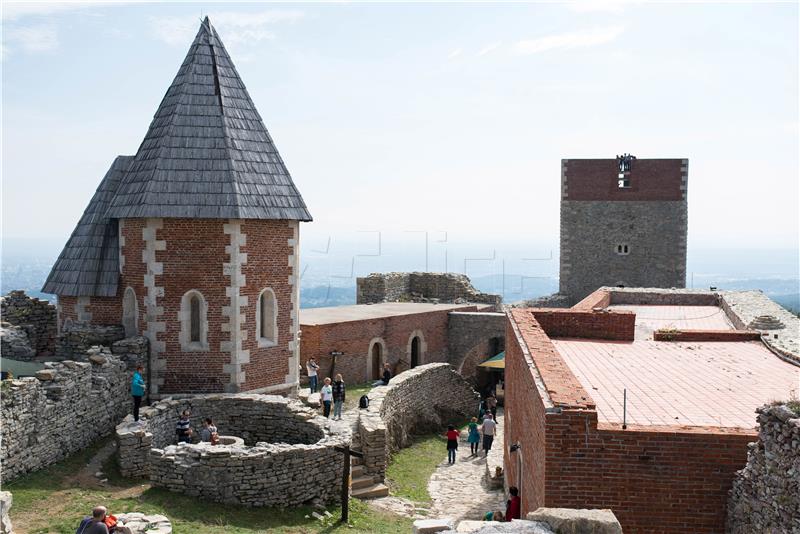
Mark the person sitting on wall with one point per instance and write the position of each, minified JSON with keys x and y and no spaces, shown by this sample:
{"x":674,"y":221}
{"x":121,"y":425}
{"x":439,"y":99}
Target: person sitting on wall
{"x":311,"y":369}
{"x":387,"y":375}
{"x":97,"y":523}
{"x":209,"y":432}
{"x":183,"y":428}
{"x":513,"y":505}
{"x":137,"y":390}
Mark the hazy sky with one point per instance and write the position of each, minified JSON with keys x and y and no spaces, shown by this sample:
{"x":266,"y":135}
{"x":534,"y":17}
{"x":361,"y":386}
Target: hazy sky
{"x":410,"y":117}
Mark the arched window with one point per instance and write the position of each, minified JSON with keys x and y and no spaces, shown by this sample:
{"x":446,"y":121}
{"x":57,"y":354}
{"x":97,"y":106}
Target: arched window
{"x":194,"y":322}
{"x":416,"y":349}
{"x":267,"y":319}
{"x":130,"y":313}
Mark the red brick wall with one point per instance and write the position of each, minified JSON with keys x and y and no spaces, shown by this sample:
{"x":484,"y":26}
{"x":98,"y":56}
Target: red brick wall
{"x":104,"y":310}
{"x":655,"y":479}
{"x":596,"y":179}
{"x":353,"y":339}
{"x":618,"y":325}
{"x":598,"y":299}
{"x":706,"y":335}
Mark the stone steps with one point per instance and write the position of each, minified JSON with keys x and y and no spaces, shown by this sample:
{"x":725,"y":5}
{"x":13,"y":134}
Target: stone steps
{"x":371,"y":492}
{"x":357,"y":471}
{"x":362,"y":481}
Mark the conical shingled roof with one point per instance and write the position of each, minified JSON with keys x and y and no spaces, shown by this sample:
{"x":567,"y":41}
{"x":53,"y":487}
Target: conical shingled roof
{"x":89,"y":263}
{"x":207,"y":153}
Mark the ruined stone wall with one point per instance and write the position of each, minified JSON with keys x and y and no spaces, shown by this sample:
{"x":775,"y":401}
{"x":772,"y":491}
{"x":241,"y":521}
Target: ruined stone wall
{"x":62,"y":410}
{"x":76,"y":339}
{"x":133,"y":351}
{"x":252,"y":417}
{"x":766,"y":494}
{"x":426,"y":398}
{"x":37,"y":318}
{"x":420,"y":287}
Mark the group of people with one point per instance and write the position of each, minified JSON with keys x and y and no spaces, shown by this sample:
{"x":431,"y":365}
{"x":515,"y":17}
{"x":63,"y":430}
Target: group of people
{"x":487,"y":429}
{"x":333,"y":392}
{"x":513,"y":508}
{"x":185,"y":433}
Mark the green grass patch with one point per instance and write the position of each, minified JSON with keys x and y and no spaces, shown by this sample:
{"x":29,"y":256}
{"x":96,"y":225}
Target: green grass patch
{"x":410,"y":469}
{"x":47,"y":501}
{"x":354,"y":393}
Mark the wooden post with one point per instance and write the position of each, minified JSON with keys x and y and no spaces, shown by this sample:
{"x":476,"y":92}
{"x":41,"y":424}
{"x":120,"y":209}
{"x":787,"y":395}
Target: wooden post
{"x":346,"y":479}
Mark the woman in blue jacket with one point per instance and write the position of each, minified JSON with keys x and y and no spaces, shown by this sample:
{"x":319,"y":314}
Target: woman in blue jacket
{"x":137,"y":390}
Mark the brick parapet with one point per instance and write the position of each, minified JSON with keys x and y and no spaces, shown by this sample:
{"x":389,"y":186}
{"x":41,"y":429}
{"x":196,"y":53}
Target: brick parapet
{"x":706,"y":335}
{"x":616,"y":325}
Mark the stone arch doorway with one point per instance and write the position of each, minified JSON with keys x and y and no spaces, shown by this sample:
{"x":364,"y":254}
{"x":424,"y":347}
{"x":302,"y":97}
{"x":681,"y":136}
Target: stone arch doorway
{"x":376,"y":357}
{"x":415,"y":351}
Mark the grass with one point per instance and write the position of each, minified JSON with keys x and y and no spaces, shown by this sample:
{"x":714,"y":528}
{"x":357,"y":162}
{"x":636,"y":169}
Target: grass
{"x":410,"y":469}
{"x":51,"y":501}
{"x":354,"y":393}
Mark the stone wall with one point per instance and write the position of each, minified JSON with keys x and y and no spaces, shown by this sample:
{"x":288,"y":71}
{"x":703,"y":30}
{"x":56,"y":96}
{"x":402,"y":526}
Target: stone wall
{"x":254,"y":418}
{"x":420,"y":287}
{"x":469,"y":338}
{"x":14,"y":343}
{"x":37,"y":318}
{"x":65,"y":408}
{"x":133,"y":351}
{"x":5,"y":507}
{"x":76,"y":339}
{"x":287,"y":459}
{"x":423,"y":399}
{"x":766,"y":494}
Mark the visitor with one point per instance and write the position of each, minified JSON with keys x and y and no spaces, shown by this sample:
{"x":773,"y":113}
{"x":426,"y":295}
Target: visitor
{"x":183,"y":428}
{"x":209,"y":432}
{"x":491,"y":405}
{"x":338,"y":397}
{"x":474,"y":437}
{"x":137,"y":390}
{"x":311,"y":369}
{"x":387,"y":375}
{"x":452,"y":444}
{"x":494,"y":516}
{"x":513,"y":504}
{"x":487,"y":429}
{"x":326,"y":395}
{"x":97,"y":523}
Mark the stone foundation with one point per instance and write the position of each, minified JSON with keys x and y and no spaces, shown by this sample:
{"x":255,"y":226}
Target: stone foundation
{"x":64,"y":409}
{"x":426,"y":398}
{"x":420,"y":287}
{"x":285,"y":457}
{"x":766,"y":494}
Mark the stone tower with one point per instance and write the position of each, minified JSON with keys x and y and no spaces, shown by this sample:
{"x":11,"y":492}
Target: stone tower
{"x":623,"y":222}
{"x":193,"y":242}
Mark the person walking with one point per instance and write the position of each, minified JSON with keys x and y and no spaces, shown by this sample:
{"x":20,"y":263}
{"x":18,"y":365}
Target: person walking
{"x":338,"y":397}
{"x":491,"y":405}
{"x":137,"y":390}
{"x":487,"y":429}
{"x":474,"y":438}
{"x":311,"y":369}
{"x":452,"y":444}
{"x":326,"y":395}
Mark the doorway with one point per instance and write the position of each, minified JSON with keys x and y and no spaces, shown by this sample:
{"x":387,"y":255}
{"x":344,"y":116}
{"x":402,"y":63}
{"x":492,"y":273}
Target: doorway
{"x":415,"y":352}
{"x":376,"y":361}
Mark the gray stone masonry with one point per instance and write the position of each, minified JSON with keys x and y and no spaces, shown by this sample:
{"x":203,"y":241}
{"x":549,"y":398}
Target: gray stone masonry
{"x":5,"y":507}
{"x":252,"y":417}
{"x":288,"y":457}
{"x":37,"y":318}
{"x":62,"y":410}
{"x":420,"y":287}
{"x":766,"y":494}
{"x":422,"y":399}
{"x":139,"y":523}
{"x":468,"y":335}
{"x":77,"y":338}
{"x":14,"y":343}
{"x":132,"y":351}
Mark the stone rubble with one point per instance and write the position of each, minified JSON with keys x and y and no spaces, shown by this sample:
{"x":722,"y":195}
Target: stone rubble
{"x":766,"y":494}
{"x":78,"y":338}
{"x":5,"y":508}
{"x":37,"y":318}
{"x":14,"y":343}
{"x":140,"y":523}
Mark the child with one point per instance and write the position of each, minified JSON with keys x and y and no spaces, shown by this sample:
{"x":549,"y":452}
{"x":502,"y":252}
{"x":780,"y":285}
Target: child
{"x":474,"y":438}
{"x":326,"y":395}
{"x":452,"y":444}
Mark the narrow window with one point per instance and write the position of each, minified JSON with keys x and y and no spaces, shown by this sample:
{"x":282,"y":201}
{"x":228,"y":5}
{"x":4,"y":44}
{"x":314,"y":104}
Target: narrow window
{"x":623,"y":249}
{"x":195,"y":319}
{"x":623,"y":180}
{"x":267,"y":319}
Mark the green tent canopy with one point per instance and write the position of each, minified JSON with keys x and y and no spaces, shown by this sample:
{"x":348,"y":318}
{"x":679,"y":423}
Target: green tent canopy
{"x":496,"y":362}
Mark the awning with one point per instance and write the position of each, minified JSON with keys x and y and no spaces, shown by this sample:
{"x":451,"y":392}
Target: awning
{"x":495,"y":362}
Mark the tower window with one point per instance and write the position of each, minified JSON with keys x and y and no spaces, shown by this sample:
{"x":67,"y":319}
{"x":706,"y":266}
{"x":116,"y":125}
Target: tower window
{"x":194,"y":322}
{"x":267,"y":319}
{"x":623,"y":180}
{"x":623,"y":249}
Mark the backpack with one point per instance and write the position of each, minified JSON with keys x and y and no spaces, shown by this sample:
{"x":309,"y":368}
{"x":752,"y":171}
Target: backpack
{"x":110,"y":522}
{"x":85,"y":523}
{"x":363,"y":402}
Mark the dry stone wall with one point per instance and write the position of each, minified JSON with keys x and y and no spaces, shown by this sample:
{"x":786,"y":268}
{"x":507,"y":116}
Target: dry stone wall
{"x":422,"y":399}
{"x":132,"y":351}
{"x":78,"y":338}
{"x":420,"y":287}
{"x":62,"y":410}
{"x":766,"y":494}
{"x":37,"y":318}
{"x":288,"y":457}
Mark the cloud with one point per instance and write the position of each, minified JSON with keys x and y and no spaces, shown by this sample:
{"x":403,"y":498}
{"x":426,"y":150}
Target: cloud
{"x":33,"y":38}
{"x":16,"y":10}
{"x":592,"y":6}
{"x":454,"y":54}
{"x":566,"y":41}
{"x":488,"y":48}
{"x":235,"y":28}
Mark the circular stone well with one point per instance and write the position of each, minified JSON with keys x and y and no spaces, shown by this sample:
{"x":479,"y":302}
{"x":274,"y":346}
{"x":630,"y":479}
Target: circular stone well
{"x":285,"y":455}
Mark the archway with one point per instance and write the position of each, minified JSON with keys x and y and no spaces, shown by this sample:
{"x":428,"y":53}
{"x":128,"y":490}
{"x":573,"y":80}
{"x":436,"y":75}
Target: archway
{"x":376,"y":356}
{"x":415,"y":350}
{"x":376,"y":359}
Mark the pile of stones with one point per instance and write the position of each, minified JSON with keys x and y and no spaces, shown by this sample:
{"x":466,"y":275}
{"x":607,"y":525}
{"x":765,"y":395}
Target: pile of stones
{"x":36,"y":319}
{"x":61,"y":410}
{"x":766,"y":494}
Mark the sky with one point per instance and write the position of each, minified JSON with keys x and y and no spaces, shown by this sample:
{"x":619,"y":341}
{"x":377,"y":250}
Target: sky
{"x":400,"y":119}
